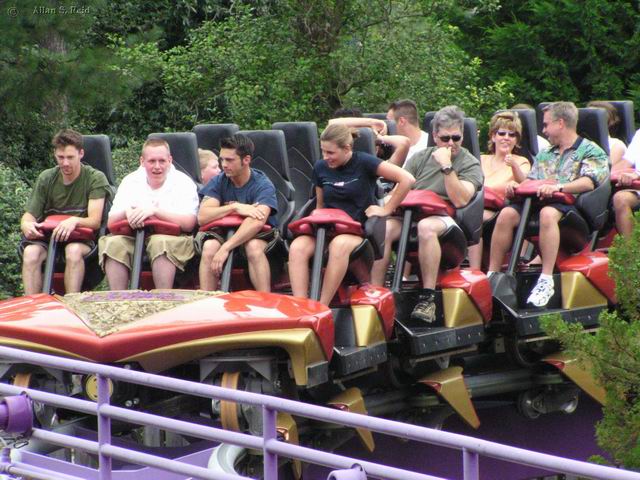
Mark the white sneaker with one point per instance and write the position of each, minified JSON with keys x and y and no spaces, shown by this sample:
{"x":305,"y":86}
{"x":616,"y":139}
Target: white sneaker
{"x":541,"y":293}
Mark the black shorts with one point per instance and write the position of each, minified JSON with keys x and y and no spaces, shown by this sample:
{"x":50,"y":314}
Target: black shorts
{"x":561,"y":207}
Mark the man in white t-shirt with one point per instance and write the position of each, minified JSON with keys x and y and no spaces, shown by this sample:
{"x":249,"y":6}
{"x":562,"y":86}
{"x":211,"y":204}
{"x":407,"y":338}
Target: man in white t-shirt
{"x":625,"y":201}
{"x":155,"y":189}
{"x":405,"y":114}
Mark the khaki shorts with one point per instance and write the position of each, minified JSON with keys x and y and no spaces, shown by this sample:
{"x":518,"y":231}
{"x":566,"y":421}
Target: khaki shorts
{"x":178,"y":249}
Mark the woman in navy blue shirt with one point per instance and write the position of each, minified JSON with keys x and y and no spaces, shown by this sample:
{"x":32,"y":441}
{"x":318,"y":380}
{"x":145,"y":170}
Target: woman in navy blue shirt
{"x":346,"y":180}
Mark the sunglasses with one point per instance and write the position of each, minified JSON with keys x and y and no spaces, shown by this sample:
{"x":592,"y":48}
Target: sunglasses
{"x":446,"y":138}
{"x":504,"y":133}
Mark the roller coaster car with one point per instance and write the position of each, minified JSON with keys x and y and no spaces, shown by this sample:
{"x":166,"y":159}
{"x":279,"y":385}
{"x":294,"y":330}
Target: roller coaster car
{"x":583,"y":287}
{"x":463,"y":297}
{"x":53,"y":276}
{"x":363,"y":315}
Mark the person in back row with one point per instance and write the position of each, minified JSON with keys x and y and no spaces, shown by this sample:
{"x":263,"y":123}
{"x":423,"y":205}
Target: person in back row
{"x":155,"y":189}
{"x":455,"y":174}
{"x":239,"y":190}
{"x":405,"y":114}
{"x":576,"y":165}
{"x":344,"y":179}
{"x":209,"y":165}
{"x":70,"y":188}
{"x":617,"y":148}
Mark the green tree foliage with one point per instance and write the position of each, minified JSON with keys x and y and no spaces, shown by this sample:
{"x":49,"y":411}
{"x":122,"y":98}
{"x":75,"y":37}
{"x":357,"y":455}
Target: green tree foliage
{"x":14,"y":198}
{"x":613,"y":353}
{"x":301,"y":60}
{"x":564,"y":50}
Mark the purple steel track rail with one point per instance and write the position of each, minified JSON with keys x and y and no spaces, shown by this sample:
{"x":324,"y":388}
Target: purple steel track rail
{"x":45,"y":468}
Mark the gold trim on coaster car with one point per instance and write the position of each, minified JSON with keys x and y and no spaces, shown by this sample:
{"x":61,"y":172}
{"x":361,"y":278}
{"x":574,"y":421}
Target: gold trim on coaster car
{"x":40,"y":348}
{"x":459,"y":309}
{"x":578,"y":292}
{"x":301,"y":344}
{"x":287,"y":427}
{"x":351,"y":401}
{"x":367,"y":324}
{"x":578,"y":374}
{"x":449,"y":384}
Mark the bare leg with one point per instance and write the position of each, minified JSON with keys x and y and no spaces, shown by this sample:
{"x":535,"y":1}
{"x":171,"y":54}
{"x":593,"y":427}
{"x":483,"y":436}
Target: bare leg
{"x":549,"y":238}
{"x":379,"y":270}
{"x":475,"y":251}
{"x":623,"y":203}
{"x":74,"y":268}
{"x":117,"y":274}
{"x":339,"y":250}
{"x":32,"y":259}
{"x":163,"y":272}
{"x":429,"y":251}
{"x":259,"y":269}
{"x":300,"y":253}
{"x":502,"y":237}
{"x":208,"y":281}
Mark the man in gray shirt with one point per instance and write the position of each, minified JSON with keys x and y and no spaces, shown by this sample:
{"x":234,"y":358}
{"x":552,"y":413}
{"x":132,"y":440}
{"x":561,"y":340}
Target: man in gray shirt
{"x":453,"y":173}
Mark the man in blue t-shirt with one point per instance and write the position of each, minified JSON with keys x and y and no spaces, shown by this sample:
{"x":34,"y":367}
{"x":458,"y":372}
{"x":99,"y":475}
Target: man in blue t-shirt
{"x":239,"y":190}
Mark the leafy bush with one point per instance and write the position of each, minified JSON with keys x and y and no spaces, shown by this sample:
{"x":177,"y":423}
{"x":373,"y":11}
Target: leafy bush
{"x":15,"y":193}
{"x":613,"y":353}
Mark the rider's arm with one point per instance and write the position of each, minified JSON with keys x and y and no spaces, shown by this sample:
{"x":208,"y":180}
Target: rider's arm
{"x":401,"y":145}
{"x":210,"y":210}
{"x":249,"y":228}
{"x":380,"y":126}
{"x":403,"y":179}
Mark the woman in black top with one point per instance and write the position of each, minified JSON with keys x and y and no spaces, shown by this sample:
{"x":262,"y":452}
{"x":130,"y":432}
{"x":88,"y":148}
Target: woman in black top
{"x":346,"y":180}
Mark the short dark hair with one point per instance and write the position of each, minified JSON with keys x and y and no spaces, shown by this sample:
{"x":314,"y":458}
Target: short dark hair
{"x":347,"y":112}
{"x":405,"y":108}
{"x":67,"y":137}
{"x":242,"y":144}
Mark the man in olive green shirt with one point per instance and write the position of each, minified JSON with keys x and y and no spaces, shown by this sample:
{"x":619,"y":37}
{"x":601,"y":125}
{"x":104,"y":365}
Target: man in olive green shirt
{"x":454,"y":174}
{"x":70,"y":188}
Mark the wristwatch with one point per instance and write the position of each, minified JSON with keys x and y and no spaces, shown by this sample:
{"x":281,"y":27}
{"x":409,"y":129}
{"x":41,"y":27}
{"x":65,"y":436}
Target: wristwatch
{"x":446,"y":170}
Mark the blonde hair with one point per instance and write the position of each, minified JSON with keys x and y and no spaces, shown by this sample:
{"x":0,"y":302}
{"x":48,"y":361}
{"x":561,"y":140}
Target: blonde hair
{"x":339,"y":134}
{"x":506,"y":121}
{"x":205,"y":156}
{"x":156,"y":142}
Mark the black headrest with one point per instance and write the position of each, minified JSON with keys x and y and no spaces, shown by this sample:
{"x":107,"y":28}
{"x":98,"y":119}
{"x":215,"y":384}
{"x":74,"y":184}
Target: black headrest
{"x":392,"y":128}
{"x":208,"y":135}
{"x":366,"y":141}
{"x":97,"y":153}
{"x":303,"y":150}
{"x":270,"y":157}
{"x":529,"y":140}
{"x":379,"y":116}
{"x":184,"y":150}
{"x":469,"y":136}
{"x":426,"y":122}
{"x":592,"y":124}
{"x":626,"y":127}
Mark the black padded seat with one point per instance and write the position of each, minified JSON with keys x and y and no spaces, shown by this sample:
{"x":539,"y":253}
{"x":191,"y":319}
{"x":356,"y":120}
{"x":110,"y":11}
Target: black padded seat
{"x":470,"y":139}
{"x":379,"y":116}
{"x":208,"y":135}
{"x":366,"y":141}
{"x":626,"y":127}
{"x":97,"y":153}
{"x":426,"y":122}
{"x":270,"y":157}
{"x":184,"y":150}
{"x":529,"y":138}
{"x":592,"y":124}
{"x":303,"y":150}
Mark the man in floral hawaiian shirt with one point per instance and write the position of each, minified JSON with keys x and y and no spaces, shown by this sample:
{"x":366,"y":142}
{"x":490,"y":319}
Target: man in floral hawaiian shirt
{"x":577,"y":165}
